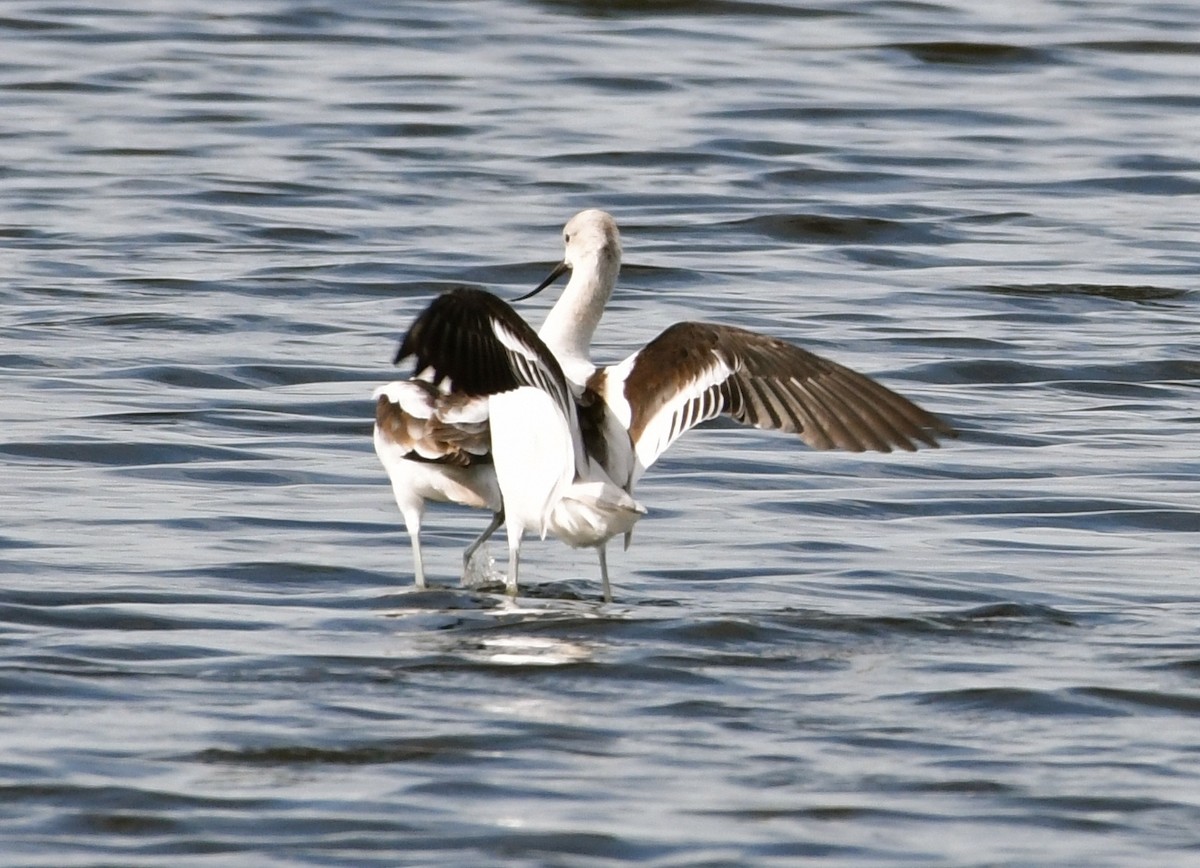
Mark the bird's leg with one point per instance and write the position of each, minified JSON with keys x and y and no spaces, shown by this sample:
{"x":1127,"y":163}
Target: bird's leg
{"x":497,"y":518}
{"x":602,"y":549}
{"x":418,"y":566}
{"x":413,"y":523}
{"x":515,"y":531}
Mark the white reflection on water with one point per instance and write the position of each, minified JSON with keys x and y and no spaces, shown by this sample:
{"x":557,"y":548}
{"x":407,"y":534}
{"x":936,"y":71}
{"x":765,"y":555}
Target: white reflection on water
{"x":530,"y":651}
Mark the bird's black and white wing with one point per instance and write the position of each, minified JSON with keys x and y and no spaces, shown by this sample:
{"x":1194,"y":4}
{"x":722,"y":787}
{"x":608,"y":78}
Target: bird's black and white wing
{"x":693,"y":372}
{"x":469,"y":342}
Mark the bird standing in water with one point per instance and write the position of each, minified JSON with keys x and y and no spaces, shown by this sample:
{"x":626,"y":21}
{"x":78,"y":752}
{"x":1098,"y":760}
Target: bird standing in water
{"x":569,"y":440}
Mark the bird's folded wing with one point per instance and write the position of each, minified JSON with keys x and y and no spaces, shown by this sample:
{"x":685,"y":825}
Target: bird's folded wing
{"x":469,"y":342}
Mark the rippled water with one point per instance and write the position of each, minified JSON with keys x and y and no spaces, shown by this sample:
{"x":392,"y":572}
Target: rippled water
{"x":217,"y":219}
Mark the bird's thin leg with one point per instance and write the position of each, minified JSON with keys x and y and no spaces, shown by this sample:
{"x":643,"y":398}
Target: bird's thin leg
{"x":418,"y":565}
{"x":602,"y":549}
{"x":497,"y":519}
{"x":515,"y":531}
{"x":412,"y":521}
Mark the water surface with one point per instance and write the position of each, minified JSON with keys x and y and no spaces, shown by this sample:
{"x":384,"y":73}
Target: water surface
{"x":217,"y":222}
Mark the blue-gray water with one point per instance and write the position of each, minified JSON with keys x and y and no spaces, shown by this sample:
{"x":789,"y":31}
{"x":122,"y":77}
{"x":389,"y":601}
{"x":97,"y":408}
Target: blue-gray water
{"x":215,"y":221}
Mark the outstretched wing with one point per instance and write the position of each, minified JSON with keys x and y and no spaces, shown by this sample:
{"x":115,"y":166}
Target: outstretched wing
{"x":469,"y":342}
{"x":693,"y":372}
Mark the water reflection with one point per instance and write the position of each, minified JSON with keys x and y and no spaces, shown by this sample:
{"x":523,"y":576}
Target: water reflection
{"x":518,"y":650}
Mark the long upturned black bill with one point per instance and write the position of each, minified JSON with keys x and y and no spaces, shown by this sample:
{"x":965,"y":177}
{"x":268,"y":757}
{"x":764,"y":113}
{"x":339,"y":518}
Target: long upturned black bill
{"x":559,"y":271}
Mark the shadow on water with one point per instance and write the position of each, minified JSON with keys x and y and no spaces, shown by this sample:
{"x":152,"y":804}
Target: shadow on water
{"x":1136,"y":294}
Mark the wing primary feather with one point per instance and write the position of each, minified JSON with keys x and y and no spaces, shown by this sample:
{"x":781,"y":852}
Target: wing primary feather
{"x":827,"y":420}
{"x":901,"y":414}
{"x":786,"y":400}
{"x":875,"y":405}
{"x":762,"y":390}
{"x":859,"y":434}
{"x":923,"y":424}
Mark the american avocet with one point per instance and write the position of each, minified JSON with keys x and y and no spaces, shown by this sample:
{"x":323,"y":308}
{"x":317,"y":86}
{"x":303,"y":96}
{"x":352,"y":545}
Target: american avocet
{"x":435,"y":446}
{"x":569,"y":440}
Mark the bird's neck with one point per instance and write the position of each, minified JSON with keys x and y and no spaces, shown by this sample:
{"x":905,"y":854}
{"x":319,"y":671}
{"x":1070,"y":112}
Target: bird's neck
{"x":569,"y":327}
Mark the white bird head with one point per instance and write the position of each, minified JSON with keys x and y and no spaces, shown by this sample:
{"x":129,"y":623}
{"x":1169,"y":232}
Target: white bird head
{"x":591,"y":244}
{"x":591,"y":235}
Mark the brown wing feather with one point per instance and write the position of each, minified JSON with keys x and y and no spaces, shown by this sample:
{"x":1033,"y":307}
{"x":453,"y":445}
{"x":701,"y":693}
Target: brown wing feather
{"x":771,"y":384}
{"x":427,"y":436}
